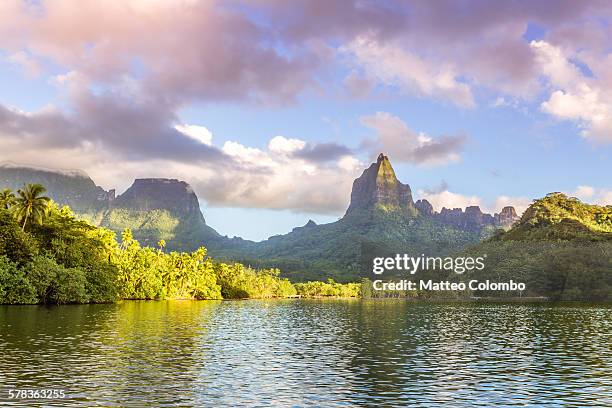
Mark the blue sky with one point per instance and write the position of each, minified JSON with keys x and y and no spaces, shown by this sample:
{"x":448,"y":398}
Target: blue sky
{"x":473,"y":104}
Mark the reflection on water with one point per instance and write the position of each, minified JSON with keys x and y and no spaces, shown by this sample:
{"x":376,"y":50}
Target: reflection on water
{"x":302,"y":352}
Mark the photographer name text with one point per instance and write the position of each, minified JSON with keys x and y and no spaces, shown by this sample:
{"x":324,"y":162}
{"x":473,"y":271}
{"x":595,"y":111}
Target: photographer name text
{"x":447,"y":285}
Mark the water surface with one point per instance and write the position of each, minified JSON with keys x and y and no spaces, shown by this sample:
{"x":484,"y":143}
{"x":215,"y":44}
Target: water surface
{"x":309,"y":352}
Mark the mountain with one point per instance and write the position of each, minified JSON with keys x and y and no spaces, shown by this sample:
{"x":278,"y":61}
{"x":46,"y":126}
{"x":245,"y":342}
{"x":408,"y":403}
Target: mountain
{"x":153,"y":208}
{"x":507,"y":217}
{"x":68,"y":187}
{"x":382,"y":219}
{"x":561,"y":248}
{"x":158,"y":208}
{"x":379,"y":188}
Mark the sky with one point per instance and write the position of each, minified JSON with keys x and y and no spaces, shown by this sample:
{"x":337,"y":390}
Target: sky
{"x":270,"y":109}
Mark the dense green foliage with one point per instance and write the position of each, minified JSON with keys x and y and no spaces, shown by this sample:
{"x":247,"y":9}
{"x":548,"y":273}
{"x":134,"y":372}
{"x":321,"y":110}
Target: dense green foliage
{"x":558,"y":270}
{"x":238,"y":281}
{"x":557,"y":207}
{"x":327,"y":289}
{"x":57,"y":259}
{"x":149,"y":273}
{"x":61,"y":259}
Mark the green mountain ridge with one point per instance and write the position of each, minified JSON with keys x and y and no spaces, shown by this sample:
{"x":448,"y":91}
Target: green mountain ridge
{"x":156,"y":209}
{"x":336,"y":250}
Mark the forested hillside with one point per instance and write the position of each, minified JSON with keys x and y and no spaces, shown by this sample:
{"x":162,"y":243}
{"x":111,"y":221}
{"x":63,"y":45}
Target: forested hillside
{"x":561,"y":248}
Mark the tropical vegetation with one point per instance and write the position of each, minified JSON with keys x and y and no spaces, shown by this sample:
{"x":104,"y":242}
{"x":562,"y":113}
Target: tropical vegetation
{"x":48,"y":255}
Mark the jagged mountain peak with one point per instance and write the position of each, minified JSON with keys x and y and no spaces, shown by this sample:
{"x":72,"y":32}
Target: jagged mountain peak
{"x":379,"y":188}
{"x":384,"y":170}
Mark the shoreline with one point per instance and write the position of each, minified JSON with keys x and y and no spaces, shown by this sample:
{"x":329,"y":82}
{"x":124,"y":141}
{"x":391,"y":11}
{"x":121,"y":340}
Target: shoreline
{"x":533,"y":300}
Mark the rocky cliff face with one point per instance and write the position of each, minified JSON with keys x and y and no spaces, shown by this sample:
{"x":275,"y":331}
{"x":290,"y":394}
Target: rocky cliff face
{"x":424,"y":207}
{"x":160,"y":194}
{"x":507,"y":217}
{"x":379,"y":188}
{"x":159,"y":208}
{"x":473,"y":219}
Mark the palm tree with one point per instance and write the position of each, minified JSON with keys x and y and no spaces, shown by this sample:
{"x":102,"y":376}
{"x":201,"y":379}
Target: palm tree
{"x":30,"y":204}
{"x":7,"y":198}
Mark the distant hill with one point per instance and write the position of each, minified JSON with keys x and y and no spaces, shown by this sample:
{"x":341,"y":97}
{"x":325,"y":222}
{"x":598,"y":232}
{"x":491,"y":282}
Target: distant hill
{"x":559,"y":217}
{"x":561,"y":248}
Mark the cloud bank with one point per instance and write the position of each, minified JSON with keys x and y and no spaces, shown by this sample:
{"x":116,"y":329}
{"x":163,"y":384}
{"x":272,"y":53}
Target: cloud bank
{"x":124,"y":70}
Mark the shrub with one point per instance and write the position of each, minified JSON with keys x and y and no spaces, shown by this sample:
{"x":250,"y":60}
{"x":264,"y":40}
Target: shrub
{"x":15,"y":288}
{"x":69,"y":286}
{"x":41,"y":272}
{"x":102,"y":285}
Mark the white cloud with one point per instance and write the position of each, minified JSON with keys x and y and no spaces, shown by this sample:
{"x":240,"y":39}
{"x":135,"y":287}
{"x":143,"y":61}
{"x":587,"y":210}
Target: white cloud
{"x":520,"y":204}
{"x":575,"y":96}
{"x":395,"y":66}
{"x":30,"y":65}
{"x":283,"y":145}
{"x":605,"y":198}
{"x":357,"y":85}
{"x":277,"y":179}
{"x":584,"y":192}
{"x":592,"y":195}
{"x":196,"y":132}
{"x":394,"y":137}
{"x":500,"y":101}
{"x":448,"y":199}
